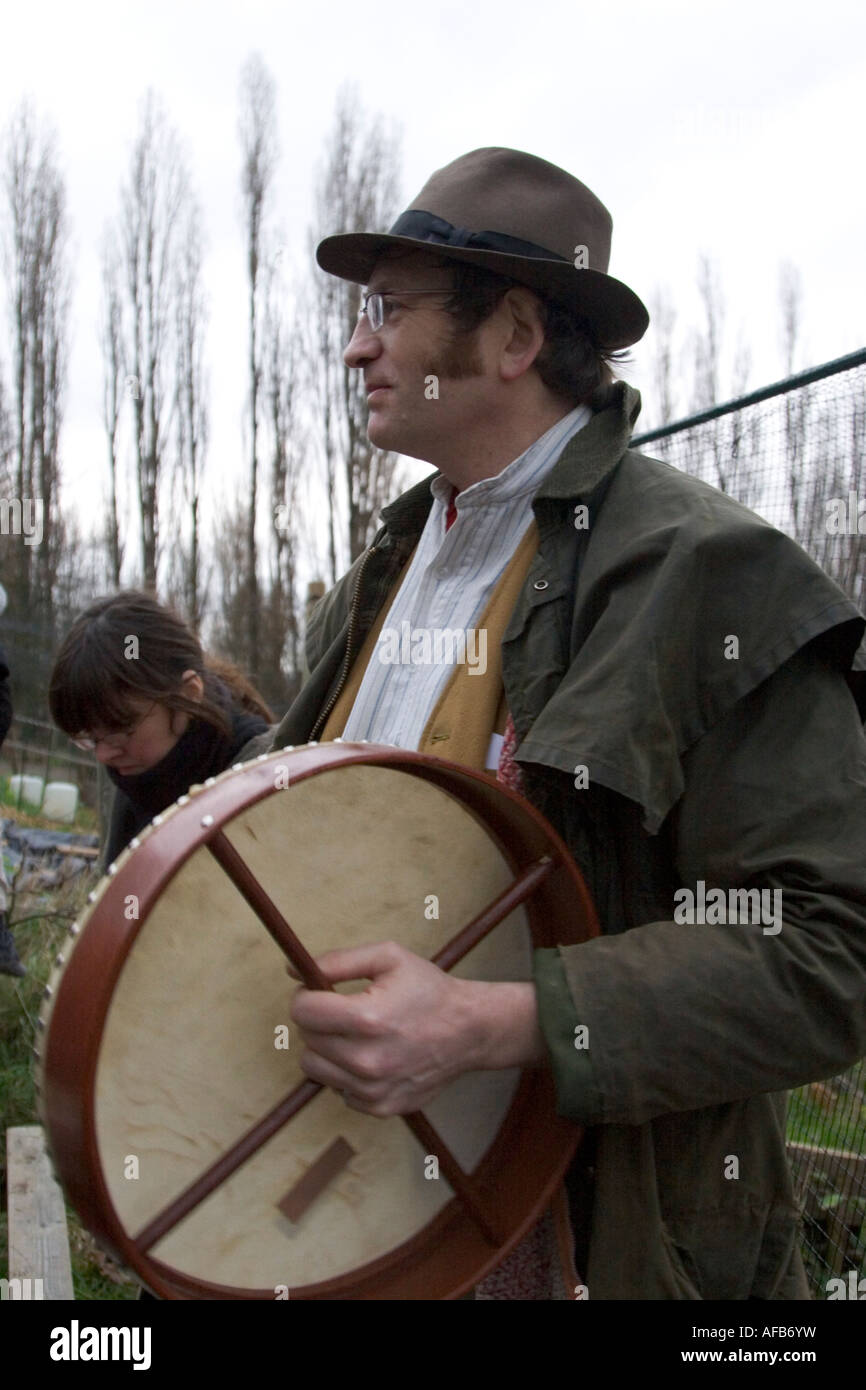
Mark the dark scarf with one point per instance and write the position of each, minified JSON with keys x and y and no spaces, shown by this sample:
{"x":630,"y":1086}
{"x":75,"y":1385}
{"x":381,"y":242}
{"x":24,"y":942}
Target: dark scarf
{"x":201,"y":751}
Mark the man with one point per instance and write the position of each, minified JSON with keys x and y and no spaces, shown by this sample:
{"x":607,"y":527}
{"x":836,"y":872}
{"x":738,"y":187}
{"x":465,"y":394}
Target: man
{"x":9,"y":962}
{"x":672,"y":695}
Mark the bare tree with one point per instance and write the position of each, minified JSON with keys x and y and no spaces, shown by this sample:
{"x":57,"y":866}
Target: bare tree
{"x":228,"y":634}
{"x":708,"y":340}
{"x":746,"y":432}
{"x":191,"y":409}
{"x":791,"y":304}
{"x":356,"y":190}
{"x":37,"y":260}
{"x":725,"y":453}
{"x":706,"y":368}
{"x":7,"y":446}
{"x":111,"y":338}
{"x":8,"y":556}
{"x":80,"y":574}
{"x":663,"y":319}
{"x":152,"y":202}
{"x":796,"y":402}
{"x":281,"y":668}
{"x":258,"y":135}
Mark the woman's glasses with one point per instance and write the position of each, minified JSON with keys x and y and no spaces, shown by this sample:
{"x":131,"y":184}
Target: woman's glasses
{"x":89,"y":742}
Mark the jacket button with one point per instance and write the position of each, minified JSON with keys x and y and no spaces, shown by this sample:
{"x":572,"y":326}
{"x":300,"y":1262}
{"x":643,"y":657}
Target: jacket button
{"x":541,"y":584}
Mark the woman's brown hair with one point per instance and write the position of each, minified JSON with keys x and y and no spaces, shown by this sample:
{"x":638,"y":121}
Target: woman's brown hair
{"x":128,"y":647}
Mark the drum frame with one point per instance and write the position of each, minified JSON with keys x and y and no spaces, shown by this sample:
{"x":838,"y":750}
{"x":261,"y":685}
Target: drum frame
{"x":494,"y":1207}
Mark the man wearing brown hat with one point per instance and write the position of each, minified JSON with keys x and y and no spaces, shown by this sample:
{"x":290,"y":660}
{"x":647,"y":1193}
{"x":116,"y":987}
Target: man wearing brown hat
{"x":664,"y":677}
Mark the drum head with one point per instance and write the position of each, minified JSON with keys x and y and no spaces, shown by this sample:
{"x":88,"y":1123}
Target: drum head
{"x":169,"y":1042}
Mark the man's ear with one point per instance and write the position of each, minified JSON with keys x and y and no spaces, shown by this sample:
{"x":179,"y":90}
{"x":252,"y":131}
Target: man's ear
{"x":524,"y":328}
{"x":193,"y":686}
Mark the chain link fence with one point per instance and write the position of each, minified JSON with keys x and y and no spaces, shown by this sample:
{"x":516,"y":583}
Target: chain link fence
{"x":30,"y":646}
{"x":795,"y":453}
{"x":33,"y":747}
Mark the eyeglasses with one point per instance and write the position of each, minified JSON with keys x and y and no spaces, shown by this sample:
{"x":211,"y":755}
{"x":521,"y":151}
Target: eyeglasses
{"x":88,"y":743}
{"x":374,"y":305}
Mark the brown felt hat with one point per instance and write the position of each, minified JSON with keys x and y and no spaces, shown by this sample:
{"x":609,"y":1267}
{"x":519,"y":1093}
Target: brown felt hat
{"x":517,"y":215}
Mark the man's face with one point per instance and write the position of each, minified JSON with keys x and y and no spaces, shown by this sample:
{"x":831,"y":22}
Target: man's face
{"x":422,"y":373}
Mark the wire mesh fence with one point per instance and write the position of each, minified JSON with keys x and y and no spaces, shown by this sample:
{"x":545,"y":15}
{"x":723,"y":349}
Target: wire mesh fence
{"x":30,"y":644}
{"x":795,"y":453}
{"x":827,"y":1149}
{"x":33,"y":747}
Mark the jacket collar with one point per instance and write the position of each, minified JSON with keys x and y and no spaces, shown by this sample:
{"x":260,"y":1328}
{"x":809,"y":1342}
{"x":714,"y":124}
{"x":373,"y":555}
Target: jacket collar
{"x":585,"y":461}
{"x":594,"y":451}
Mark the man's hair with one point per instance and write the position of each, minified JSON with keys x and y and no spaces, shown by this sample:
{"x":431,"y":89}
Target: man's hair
{"x":571,"y":363}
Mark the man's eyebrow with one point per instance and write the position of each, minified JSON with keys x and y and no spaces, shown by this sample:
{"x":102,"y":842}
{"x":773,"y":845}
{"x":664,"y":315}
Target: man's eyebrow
{"x":387,"y":287}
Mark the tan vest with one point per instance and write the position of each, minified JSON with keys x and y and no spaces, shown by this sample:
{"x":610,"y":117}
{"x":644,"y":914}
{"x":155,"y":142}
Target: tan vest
{"x":470,"y":709}
{"x":471,"y":706}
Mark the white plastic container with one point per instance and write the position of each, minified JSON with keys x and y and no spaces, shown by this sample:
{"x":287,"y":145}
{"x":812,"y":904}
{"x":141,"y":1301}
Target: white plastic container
{"x":61,"y":801}
{"x":27,"y":789}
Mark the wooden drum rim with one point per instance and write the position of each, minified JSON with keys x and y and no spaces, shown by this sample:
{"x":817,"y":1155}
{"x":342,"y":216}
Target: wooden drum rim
{"x":79,"y":998}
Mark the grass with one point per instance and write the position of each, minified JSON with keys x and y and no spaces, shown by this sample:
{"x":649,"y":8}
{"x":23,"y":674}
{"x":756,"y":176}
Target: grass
{"x":86,"y":820}
{"x":38,"y":939}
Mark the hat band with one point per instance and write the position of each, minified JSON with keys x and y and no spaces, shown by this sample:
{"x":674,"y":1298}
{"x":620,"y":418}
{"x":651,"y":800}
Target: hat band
{"x":425,"y":226}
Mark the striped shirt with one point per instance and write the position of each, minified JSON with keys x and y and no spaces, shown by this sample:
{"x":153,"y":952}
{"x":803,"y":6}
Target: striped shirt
{"x":430,"y":625}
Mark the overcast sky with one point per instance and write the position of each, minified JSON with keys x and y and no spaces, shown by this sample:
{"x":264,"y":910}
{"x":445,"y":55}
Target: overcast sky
{"x":733,"y":129}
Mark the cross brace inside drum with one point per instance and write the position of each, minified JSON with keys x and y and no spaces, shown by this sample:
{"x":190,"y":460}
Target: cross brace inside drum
{"x":459,"y":946}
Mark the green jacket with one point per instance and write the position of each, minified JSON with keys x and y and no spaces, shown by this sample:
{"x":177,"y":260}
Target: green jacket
{"x":693,"y":660}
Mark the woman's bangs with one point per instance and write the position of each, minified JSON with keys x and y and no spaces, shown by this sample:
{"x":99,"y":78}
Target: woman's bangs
{"x":87,"y":702}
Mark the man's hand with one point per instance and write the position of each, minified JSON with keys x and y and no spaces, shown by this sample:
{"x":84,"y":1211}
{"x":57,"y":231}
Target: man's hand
{"x":393,"y":1046}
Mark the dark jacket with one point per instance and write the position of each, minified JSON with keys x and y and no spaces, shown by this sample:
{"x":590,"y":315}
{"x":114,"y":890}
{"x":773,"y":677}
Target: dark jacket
{"x":737,"y":763}
{"x":201,"y":751}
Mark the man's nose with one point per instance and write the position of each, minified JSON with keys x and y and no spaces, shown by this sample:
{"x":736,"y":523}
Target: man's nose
{"x":363,"y":345}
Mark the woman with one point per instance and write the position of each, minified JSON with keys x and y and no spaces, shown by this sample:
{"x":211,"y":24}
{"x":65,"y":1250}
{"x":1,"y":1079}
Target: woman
{"x":132,"y":684}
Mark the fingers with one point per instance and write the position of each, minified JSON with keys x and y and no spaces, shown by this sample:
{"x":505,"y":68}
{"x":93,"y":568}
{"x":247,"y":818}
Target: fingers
{"x":328,"y":1073}
{"x":358,"y":1093}
{"x":322,"y":1011}
{"x":359,"y":962}
{"x":354,"y":963}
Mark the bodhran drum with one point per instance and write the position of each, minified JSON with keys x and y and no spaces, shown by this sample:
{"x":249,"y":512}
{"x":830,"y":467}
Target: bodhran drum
{"x":177,"y":1115}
